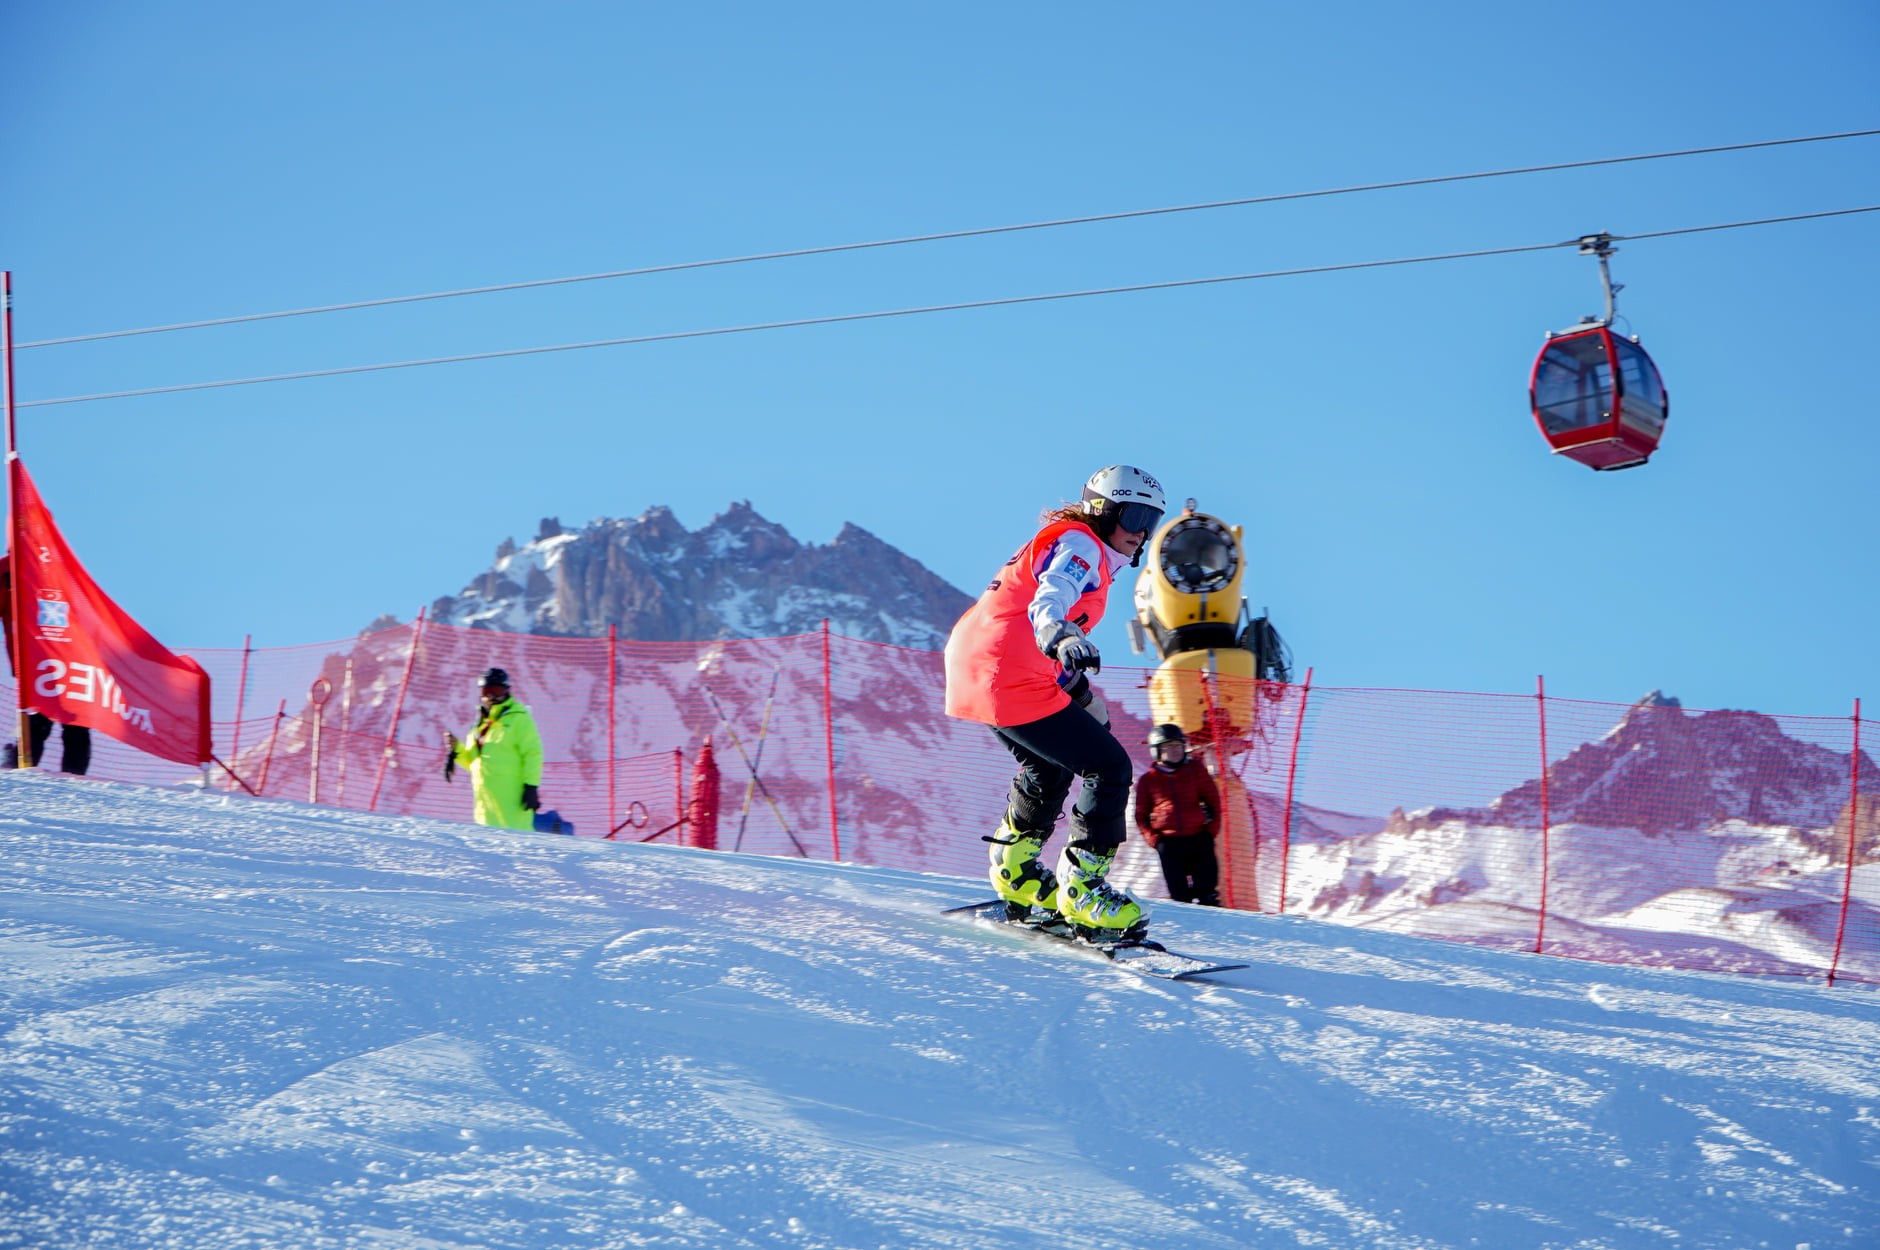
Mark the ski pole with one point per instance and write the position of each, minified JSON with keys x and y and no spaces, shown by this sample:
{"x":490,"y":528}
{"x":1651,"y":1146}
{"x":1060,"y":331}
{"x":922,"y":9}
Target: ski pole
{"x":763,"y":736}
{"x":732,"y":733}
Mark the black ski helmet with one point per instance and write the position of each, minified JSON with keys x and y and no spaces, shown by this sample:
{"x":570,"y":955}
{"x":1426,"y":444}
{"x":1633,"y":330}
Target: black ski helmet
{"x":1167,"y":733}
{"x":493,"y":677}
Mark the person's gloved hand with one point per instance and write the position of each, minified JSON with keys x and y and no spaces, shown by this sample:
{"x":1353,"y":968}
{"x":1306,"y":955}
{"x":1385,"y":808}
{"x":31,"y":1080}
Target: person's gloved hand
{"x":450,"y":755}
{"x":1066,"y":644}
{"x":531,"y":799}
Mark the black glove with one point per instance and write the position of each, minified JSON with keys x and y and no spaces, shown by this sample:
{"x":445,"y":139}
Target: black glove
{"x":531,"y":800}
{"x":450,"y":755}
{"x":1066,"y":644}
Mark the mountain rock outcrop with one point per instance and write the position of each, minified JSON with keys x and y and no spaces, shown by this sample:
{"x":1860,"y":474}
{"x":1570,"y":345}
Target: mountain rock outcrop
{"x":741,"y":576}
{"x":1663,"y":770}
{"x":1696,"y":839}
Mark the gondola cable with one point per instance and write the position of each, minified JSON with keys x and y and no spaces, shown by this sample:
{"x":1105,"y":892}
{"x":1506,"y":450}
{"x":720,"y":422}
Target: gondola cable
{"x":965,"y":305}
{"x":980,"y":232}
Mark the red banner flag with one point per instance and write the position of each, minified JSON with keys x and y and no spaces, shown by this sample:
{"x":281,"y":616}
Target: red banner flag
{"x":82,"y":660}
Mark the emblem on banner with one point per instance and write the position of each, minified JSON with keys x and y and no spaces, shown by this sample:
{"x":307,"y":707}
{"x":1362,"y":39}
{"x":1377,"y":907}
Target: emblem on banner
{"x":55,"y":615}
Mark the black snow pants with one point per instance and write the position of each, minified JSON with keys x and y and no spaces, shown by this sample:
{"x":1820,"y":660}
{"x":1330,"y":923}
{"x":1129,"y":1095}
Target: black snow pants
{"x":74,"y":741}
{"x":1189,"y":867}
{"x":1054,"y":752}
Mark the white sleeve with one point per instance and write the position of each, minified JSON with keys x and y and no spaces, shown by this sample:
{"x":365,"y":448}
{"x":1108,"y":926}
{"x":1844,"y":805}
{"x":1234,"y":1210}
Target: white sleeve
{"x":1067,"y":569}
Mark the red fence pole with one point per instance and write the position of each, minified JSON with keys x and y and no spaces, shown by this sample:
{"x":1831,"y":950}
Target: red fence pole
{"x":613,"y":697}
{"x":1253,"y":817}
{"x":398,"y":710}
{"x":1292,"y":775}
{"x":1540,"y":699}
{"x":241,"y":696}
{"x":678,"y":790}
{"x":267,"y":761}
{"x":829,"y":743}
{"x":1853,"y":823}
{"x":1210,"y":734}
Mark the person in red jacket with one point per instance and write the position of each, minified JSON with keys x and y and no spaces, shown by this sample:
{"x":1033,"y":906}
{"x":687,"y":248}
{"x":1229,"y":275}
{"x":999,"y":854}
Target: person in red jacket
{"x":1019,"y":661}
{"x":1178,"y":810}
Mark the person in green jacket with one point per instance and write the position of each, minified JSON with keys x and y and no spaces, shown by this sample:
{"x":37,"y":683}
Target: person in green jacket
{"x":504,"y":756}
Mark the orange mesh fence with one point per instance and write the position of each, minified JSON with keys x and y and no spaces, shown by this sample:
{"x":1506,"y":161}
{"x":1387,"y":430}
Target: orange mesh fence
{"x":1390,"y":826}
{"x":1714,"y":840}
{"x":1651,"y":834}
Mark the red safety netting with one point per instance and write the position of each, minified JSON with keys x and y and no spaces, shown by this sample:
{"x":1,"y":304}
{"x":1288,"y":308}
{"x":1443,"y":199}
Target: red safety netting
{"x":1649,"y":834}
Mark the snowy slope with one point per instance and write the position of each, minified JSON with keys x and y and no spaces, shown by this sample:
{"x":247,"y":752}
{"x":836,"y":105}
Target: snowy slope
{"x":229,"y":1023}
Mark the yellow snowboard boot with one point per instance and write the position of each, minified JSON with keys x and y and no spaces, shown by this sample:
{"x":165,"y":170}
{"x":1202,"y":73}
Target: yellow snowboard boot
{"x":1016,"y":873}
{"x":1095,"y":909}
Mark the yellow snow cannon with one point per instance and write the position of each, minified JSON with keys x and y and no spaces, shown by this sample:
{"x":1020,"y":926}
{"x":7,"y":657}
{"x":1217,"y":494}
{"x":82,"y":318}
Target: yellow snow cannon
{"x":1190,"y":609}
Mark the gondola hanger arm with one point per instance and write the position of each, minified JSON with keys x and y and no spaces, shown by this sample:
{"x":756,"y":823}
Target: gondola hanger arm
{"x":1601,"y":245}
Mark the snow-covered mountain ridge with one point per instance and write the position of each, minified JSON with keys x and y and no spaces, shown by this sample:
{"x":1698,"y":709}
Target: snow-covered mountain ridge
{"x":1697,"y":839}
{"x":741,"y":576}
{"x":1662,"y":769}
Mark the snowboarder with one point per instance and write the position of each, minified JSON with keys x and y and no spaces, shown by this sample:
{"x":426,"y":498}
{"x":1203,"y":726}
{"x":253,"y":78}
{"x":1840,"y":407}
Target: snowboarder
{"x":1020,"y":661}
{"x":504,"y":756}
{"x":1178,"y":810}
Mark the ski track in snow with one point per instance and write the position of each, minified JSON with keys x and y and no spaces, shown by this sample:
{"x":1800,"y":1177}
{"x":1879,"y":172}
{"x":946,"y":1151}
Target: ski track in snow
{"x":227,"y":1023}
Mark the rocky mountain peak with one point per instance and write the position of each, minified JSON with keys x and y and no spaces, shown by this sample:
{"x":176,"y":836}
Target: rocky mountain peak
{"x":1662,"y":769}
{"x":741,"y":575}
{"x":740,"y":529}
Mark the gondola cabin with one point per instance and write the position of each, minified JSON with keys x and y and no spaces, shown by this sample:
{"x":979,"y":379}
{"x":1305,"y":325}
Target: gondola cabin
{"x":1598,"y":398}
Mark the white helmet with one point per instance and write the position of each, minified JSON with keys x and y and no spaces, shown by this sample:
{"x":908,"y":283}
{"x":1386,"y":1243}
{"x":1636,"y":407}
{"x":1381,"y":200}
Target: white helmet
{"x":1129,"y":495}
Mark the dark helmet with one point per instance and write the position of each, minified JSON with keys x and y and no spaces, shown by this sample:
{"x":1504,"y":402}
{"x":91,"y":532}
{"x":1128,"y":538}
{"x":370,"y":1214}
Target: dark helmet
{"x":493,"y":677}
{"x":1167,"y":733}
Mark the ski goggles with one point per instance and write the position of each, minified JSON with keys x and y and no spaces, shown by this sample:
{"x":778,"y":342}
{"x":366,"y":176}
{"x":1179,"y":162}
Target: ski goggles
{"x":1138,"y":518}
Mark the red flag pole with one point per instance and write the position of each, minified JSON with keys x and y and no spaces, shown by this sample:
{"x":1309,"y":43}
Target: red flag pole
{"x":13,"y":523}
{"x":6,"y":312}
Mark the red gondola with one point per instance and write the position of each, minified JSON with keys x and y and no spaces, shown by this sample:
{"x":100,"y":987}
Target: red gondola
{"x":1596,"y":395}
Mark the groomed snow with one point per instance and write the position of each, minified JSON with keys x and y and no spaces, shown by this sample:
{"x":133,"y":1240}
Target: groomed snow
{"x":228,"y":1023}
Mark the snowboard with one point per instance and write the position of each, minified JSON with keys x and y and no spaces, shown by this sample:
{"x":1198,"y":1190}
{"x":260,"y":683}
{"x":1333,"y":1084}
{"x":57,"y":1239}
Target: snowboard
{"x":1139,"y":955}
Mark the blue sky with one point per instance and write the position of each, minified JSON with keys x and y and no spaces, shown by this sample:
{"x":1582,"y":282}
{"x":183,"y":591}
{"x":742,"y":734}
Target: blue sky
{"x":1408,"y":526}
